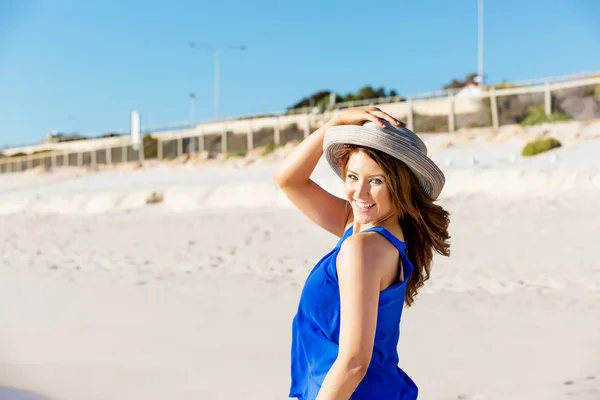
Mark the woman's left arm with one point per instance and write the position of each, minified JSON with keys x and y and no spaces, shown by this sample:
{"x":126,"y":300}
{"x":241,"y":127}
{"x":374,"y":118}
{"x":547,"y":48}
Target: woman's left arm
{"x":359,"y":281}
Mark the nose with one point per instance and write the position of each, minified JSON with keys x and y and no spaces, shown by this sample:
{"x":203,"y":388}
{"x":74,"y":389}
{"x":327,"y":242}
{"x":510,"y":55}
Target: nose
{"x":363,"y":190}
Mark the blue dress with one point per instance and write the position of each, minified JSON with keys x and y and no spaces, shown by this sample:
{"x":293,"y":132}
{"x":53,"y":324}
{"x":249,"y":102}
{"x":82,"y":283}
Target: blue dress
{"x":316,"y":330}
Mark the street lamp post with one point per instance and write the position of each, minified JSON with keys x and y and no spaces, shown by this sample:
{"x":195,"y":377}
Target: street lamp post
{"x":217,"y":54}
{"x":480,"y":43}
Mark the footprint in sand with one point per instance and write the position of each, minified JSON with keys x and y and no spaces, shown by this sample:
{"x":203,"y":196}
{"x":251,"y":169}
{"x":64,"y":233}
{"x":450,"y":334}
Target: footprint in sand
{"x":588,"y":386}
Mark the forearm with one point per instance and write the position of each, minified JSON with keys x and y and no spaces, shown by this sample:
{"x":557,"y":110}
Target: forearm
{"x":340,"y":382}
{"x":298,"y":166}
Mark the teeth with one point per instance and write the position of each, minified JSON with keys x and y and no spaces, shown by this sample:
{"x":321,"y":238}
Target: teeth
{"x":363,"y":205}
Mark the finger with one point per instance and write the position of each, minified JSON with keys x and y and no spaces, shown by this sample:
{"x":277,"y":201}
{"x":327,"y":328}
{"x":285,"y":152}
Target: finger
{"x":387,"y":117}
{"x":371,"y":117}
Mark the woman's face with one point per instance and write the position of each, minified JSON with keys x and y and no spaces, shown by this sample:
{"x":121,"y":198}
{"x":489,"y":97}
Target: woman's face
{"x":366,"y":189}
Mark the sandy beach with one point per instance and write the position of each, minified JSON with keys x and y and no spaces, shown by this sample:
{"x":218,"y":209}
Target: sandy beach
{"x":103,"y":296}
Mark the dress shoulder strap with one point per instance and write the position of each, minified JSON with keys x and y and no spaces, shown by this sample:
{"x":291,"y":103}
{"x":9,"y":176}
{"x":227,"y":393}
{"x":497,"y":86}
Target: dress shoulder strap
{"x":400,"y":245}
{"x":344,"y":236}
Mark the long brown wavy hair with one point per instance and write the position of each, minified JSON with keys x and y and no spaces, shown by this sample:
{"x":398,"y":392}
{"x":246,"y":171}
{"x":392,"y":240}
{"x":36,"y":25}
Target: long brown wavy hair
{"x":424,"y":223}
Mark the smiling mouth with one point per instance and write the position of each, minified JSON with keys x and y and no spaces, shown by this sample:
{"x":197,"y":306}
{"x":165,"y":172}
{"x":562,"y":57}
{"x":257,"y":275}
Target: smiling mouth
{"x":363,"y":207}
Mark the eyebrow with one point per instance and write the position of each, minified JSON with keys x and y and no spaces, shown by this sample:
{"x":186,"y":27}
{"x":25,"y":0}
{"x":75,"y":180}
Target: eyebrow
{"x":371,"y":176}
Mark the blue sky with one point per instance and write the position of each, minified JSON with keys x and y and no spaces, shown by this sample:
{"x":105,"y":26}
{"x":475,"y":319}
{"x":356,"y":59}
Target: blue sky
{"x":83,"y":66}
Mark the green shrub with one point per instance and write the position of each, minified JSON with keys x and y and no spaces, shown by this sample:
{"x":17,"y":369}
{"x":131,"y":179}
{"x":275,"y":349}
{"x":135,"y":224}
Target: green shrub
{"x":240,"y":153}
{"x":150,"y":146}
{"x":505,"y":85}
{"x":540,"y":146}
{"x":270,"y":148}
{"x":537,"y":115}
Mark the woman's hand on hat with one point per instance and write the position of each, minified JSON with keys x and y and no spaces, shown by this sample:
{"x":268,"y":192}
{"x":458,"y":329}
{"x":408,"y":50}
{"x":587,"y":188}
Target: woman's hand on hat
{"x":358,"y":116}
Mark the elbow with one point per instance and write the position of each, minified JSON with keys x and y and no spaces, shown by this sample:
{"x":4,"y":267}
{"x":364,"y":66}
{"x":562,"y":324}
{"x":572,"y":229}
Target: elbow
{"x":280,"y":178}
{"x":284,"y":179}
{"x":356,"y":367}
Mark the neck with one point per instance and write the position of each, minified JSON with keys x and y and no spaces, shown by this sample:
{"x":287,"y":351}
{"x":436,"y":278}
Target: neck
{"x":391,"y":223}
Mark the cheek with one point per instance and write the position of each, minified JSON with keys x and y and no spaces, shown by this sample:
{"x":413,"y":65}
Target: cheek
{"x":348,"y":187}
{"x":382,"y":196}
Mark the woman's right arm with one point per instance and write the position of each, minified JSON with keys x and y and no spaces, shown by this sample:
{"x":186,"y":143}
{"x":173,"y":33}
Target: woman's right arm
{"x":293,"y":175}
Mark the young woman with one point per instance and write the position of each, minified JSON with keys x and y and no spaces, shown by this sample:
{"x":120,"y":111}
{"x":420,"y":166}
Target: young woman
{"x":347,"y":327}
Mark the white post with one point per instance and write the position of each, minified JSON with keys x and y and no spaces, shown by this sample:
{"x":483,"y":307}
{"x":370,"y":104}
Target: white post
{"x":93,"y":158}
{"x":53,"y":161}
{"x":80,"y":159}
{"x":451,"y":127}
{"x":201,"y":140}
{"x":548,"y":100}
{"x":306,"y":127}
{"x":179,"y":147}
{"x":141,"y":152}
{"x":277,"y":131}
{"x":159,"y":149}
{"x":250,"y":141}
{"x":494,"y":107}
{"x":108,"y":156}
{"x":410,"y":121}
{"x":124,"y":155}
{"x":224,"y":140}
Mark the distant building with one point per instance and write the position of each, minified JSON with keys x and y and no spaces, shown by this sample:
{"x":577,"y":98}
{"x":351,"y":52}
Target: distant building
{"x":470,"y":90}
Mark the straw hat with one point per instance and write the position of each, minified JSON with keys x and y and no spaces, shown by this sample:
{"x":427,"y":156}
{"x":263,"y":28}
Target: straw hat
{"x":399,"y":142}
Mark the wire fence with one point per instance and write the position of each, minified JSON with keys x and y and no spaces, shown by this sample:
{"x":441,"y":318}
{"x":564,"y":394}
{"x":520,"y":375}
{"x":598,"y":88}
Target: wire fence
{"x":440,"y":111}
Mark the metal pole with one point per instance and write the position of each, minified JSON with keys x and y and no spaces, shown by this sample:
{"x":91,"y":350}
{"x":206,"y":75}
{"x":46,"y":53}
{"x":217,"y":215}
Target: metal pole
{"x":480,"y":43}
{"x":217,"y":72}
{"x":217,"y":55}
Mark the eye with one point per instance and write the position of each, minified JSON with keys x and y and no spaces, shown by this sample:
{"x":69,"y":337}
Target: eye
{"x":353,"y":177}
{"x":377,"y":181}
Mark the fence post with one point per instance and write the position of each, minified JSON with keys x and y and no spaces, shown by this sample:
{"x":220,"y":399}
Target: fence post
{"x":548,"y":100}
{"x":277,"y":131}
{"x":306,"y":127}
{"x":451,"y":113}
{"x":250,"y":141}
{"x":19,"y":164}
{"x":159,"y":149}
{"x":108,"y":152}
{"x":93,"y":158}
{"x":53,"y":160}
{"x":201,"y":141}
{"x":494,"y":107}
{"x":124,"y":155}
{"x":29,"y":161}
{"x":179,"y":147}
{"x":80,"y":159}
{"x":224,"y":140}
{"x":410,"y":121}
{"x":141,"y":152}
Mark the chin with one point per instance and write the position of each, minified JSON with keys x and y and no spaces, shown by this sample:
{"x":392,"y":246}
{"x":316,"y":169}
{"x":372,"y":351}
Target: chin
{"x":364,"y":219}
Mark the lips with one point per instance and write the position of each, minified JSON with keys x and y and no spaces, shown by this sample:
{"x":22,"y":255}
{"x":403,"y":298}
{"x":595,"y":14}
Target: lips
{"x":363,"y":207}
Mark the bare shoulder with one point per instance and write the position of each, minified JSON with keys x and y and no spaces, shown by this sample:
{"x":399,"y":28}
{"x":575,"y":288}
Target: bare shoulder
{"x":369,"y":250}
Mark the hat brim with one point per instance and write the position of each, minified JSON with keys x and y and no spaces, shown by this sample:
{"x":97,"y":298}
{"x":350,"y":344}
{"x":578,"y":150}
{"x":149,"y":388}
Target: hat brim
{"x":429,"y":175}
